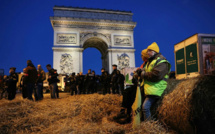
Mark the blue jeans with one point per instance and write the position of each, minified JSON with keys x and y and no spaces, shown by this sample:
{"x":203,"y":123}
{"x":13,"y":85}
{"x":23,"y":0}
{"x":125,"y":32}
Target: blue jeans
{"x":53,"y":89}
{"x":146,"y":107}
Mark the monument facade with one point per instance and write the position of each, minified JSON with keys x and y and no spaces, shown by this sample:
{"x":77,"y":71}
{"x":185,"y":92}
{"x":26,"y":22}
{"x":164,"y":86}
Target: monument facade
{"x":76,"y":29}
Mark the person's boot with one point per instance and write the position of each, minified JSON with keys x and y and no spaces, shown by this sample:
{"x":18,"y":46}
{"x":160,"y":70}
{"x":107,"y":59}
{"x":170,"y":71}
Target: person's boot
{"x":125,"y":120}
{"x":120,"y":115}
{"x":142,"y":116}
{"x":128,"y":119}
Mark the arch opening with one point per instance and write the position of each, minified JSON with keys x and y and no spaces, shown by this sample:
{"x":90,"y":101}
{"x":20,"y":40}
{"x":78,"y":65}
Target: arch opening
{"x":96,"y":43}
{"x":92,"y":60}
{"x":100,"y":45}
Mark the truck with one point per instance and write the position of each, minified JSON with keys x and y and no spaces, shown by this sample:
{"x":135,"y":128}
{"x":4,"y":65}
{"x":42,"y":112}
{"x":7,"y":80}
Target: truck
{"x":195,"y":56}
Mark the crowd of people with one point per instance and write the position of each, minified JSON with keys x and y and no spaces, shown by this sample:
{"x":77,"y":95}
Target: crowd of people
{"x":89,"y":83}
{"x":32,"y":82}
{"x":151,"y":77}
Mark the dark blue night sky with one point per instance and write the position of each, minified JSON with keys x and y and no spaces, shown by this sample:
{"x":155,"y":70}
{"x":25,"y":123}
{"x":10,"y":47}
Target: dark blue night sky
{"x":26,"y":31}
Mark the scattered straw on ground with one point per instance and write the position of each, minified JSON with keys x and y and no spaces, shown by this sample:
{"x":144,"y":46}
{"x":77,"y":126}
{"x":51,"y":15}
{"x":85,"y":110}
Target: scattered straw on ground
{"x":84,"y":114}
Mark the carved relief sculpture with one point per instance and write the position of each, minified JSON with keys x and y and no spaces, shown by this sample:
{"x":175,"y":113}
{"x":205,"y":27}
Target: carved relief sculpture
{"x":123,"y":61}
{"x":122,"y":40}
{"x":66,"y":38}
{"x":66,"y":64}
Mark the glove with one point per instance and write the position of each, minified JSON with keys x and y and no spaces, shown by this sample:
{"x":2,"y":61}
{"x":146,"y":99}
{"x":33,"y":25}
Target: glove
{"x":143,"y":72}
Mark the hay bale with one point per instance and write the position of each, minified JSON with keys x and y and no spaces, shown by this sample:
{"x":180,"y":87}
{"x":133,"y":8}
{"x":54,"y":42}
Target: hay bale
{"x":171,"y":84}
{"x":183,"y":108}
{"x":203,"y":105}
{"x":175,"y":108}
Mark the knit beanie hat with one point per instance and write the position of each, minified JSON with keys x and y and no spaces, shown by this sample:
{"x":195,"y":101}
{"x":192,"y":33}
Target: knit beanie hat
{"x":144,"y":53}
{"x":153,"y":47}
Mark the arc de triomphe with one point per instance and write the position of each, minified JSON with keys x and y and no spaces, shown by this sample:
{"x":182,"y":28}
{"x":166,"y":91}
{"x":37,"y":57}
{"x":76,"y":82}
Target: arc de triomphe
{"x":109,"y":31}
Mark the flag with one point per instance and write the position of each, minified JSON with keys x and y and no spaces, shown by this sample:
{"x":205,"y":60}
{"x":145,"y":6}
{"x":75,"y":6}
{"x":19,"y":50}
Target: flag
{"x":136,"y":109}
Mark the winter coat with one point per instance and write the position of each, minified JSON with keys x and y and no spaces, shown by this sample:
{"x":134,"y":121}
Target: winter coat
{"x":53,"y":73}
{"x":31,"y":73}
{"x":41,"y":76}
{"x":156,"y":75}
{"x":114,"y":76}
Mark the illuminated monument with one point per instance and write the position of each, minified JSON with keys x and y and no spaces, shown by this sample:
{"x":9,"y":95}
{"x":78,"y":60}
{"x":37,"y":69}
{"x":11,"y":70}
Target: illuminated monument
{"x":76,"y":29}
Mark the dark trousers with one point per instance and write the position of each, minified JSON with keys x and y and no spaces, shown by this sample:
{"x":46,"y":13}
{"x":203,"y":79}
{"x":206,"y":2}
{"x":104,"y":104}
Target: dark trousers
{"x":54,"y":90}
{"x":57,"y":92}
{"x":115,"y":88}
{"x":95,"y":87}
{"x":84,"y":88}
{"x":106,"y":88}
{"x":128,"y":99}
{"x":11,"y":92}
{"x":73,"y":89}
{"x":39,"y":91}
{"x":24,"y":91}
{"x":30,"y":89}
{"x":80,"y":89}
{"x":67,"y":88}
{"x":121,"y":87}
{"x":90,"y":87}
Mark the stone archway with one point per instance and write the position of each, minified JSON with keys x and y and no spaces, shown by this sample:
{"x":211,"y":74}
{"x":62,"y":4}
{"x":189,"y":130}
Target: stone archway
{"x":109,"y":31}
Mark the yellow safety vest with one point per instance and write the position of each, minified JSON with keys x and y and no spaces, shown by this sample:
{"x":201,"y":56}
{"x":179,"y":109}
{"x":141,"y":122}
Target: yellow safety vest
{"x":155,"y":88}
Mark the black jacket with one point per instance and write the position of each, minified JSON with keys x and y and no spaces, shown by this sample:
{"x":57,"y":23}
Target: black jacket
{"x":53,"y":73}
{"x":90,"y":77}
{"x":114,"y":76}
{"x":80,"y":80}
{"x":121,"y":79}
{"x":12,"y":80}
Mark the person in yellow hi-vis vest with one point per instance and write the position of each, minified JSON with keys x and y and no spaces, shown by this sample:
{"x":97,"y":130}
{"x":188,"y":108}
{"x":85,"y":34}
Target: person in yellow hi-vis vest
{"x":155,"y":75}
{"x":129,"y":95}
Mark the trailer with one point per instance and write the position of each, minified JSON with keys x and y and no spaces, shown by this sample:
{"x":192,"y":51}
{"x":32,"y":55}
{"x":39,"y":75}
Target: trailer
{"x":195,"y":56}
